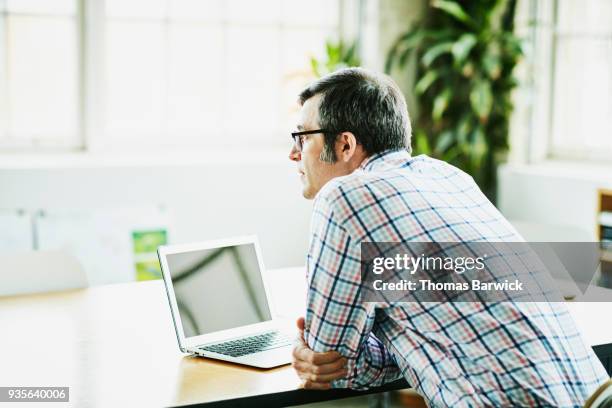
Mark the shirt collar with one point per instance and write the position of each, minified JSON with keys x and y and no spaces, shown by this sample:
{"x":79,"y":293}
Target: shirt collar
{"x":391,"y":158}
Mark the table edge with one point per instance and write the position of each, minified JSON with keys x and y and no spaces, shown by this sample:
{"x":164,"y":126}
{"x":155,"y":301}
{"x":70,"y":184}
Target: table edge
{"x":296,"y":397}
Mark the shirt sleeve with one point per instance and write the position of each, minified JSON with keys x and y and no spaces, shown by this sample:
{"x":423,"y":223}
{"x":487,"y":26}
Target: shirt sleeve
{"x":336,"y":319}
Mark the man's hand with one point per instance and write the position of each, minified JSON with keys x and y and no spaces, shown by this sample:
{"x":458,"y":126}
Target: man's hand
{"x":316,"y":370}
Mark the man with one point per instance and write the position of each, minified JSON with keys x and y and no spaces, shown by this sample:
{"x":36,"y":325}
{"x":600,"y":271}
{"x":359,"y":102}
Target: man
{"x":353,"y":156}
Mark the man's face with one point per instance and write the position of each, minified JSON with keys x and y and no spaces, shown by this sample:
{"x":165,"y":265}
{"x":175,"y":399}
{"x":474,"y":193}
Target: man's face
{"x":314,"y":173}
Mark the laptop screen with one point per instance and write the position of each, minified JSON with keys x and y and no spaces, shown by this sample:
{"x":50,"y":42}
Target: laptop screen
{"x":218,"y":289}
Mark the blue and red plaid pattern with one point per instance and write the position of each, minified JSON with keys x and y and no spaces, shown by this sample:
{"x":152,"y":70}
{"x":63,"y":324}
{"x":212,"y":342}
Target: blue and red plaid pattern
{"x":454,"y":354}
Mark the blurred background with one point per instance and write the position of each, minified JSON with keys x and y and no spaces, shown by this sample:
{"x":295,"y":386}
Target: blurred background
{"x":126,"y":124}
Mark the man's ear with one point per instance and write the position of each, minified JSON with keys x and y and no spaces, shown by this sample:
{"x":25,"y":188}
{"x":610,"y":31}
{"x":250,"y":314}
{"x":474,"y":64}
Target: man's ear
{"x":346,"y":145}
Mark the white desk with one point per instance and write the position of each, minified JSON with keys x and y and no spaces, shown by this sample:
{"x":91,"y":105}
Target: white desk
{"x":115,"y":346}
{"x":594,"y":319}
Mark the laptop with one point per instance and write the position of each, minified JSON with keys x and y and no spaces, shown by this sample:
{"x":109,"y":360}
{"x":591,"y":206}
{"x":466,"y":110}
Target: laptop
{"x":220,"y":303}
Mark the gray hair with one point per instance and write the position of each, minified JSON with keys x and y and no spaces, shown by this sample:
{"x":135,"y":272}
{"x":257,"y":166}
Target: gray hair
{"x":369,"y":105}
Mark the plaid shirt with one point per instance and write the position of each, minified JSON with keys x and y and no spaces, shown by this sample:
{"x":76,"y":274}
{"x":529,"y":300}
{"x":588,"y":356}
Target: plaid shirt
{"x":454,"y":354}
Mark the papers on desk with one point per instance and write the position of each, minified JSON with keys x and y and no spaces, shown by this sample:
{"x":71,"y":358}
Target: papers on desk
{"x":107,"y":242}
{"x":16,"y":231}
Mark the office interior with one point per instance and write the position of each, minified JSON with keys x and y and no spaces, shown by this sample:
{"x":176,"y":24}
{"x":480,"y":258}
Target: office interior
{"x":130,"y":124}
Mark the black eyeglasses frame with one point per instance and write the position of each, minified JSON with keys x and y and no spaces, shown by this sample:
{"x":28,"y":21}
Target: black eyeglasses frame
{"x":297,"y":136}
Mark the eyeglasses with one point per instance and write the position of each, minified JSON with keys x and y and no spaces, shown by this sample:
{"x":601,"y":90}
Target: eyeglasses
{"x":298,"y":137}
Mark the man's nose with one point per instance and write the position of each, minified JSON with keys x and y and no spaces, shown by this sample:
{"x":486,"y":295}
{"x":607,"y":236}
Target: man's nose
{"x":294,"y":154}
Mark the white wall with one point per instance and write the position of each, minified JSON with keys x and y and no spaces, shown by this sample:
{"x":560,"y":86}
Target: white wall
{"x":220,"y":195}
{"x":557,"y":193}
{"x":223,"y":195}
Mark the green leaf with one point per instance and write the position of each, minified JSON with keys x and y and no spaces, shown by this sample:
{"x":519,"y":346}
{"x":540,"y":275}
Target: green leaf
{"x":440,"y":104}
{"x":444,"y":141}
{"x":453,"y":9}
{"x":426,"y":81}
{"x":409,"y":36}
{"x":408,"y":42}
{"x":481,"y":99}
{"x":462,"y":47}
{"x":421,"y":143}
{"x":450,"y":155}
{"x":410,"y":45}
{"x":339,"y":55}
{"x":479,"y":148}
{"x":329,"y":49}
{"x":411,"y":39}
{"x":350,"y":52}
{"x":463,"y":129}
{"x":410,"y":48}
{"x":404,"y":56}
{"x":514,"y":45}
{"x":435,"y":51}
{"x":314,"y":64}
{"x":333,"y":52}
{"x":492,"y":65}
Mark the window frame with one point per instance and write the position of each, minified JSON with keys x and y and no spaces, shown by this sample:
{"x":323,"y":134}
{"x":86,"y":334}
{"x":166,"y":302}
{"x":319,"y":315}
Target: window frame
{"x":64,"y":143}
{"x":542,"y":74}
{"x":90,"y":117}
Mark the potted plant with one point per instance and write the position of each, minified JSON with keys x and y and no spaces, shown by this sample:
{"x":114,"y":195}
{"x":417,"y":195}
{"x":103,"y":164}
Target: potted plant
{"x":466,"y":53}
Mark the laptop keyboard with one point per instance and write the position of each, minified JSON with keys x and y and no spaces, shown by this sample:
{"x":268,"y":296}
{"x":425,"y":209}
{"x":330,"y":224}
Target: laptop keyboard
{"x":249,"y":345}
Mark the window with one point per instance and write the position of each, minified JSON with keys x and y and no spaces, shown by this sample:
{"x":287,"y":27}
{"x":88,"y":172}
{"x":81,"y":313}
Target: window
{"x":39,"y":73}
{"x":571,"y":74}
{"x":156,"y":74}
{"x":582,"y":90}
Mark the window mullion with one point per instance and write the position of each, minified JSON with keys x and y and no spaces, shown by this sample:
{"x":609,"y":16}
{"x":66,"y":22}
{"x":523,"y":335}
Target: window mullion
{"x":93,"y":73}
{"x":552,"y":78}
{"x":3,"y":75}
{"x":538,"y":147}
